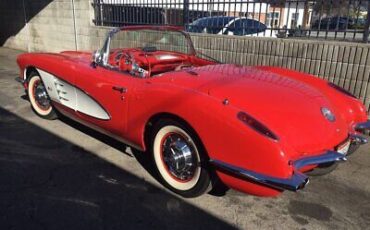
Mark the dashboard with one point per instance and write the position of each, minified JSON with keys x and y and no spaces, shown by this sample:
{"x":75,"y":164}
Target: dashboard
{"x":147,"y":62}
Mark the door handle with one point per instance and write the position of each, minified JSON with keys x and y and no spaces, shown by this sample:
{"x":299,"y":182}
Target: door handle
{"x":119,"y":89}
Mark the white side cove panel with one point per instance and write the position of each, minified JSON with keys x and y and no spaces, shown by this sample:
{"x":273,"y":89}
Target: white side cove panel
{"x":58,"y":90}
{"x":87,"y":105}
{"x":72,"y":97}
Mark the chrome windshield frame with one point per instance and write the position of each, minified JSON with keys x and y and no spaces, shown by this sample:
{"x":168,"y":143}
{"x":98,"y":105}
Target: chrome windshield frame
{"x":105,"y":50}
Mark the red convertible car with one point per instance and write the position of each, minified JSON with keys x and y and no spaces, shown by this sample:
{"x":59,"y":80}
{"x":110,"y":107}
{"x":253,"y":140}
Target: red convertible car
{"x":259,"y":130}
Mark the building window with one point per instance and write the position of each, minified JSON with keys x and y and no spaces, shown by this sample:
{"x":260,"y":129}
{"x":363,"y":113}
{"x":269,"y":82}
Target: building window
{"x":294,"y":20}
{"x":272,"y":19}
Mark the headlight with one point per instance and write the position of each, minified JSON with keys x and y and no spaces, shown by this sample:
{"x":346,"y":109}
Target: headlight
{"x":340,"y":89}
{"x":256,"y":125}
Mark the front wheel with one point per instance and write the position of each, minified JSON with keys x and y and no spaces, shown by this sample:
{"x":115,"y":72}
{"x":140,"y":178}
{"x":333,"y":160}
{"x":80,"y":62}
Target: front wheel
{"x":39,"y":98}
{"x":180,"y":159}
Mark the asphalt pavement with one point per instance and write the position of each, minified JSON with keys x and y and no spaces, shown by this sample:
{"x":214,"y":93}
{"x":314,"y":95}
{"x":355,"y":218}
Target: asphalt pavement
{"x":62,"y":175}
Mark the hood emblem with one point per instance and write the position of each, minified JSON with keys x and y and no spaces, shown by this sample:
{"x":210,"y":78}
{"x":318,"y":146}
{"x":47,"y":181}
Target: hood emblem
{"x":328,"y":114}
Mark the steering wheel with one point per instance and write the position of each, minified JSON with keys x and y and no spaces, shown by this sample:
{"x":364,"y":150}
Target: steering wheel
{"x":129,"y":64}
{"x":125,"y":62}
{"x":117,"y":57}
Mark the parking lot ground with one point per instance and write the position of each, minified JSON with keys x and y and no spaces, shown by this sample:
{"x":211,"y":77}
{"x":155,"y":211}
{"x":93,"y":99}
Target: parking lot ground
{"x":61,"y":175}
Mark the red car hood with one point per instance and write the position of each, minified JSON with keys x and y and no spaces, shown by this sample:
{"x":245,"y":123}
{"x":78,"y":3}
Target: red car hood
{"x":290,"y":108}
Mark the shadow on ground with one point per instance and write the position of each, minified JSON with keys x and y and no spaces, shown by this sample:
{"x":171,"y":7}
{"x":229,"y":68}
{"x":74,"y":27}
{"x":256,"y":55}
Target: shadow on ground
{"x":143,"y":158}
{"x":49,"y":183}
{"x":15,"y":13}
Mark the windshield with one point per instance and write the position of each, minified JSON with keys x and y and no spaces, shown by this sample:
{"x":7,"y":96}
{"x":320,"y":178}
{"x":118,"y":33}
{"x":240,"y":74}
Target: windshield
{"x":146,"y":51}
{"x":151,"y":39}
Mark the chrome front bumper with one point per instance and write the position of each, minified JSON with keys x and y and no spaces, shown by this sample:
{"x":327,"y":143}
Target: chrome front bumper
{"x":298,"y":180}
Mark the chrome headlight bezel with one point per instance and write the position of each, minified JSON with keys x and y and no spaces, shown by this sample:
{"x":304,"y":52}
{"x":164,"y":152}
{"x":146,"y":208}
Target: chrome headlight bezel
{"x":328,"y":114}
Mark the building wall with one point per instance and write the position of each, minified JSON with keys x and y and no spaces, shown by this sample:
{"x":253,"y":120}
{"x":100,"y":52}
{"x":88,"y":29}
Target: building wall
{"x":52,"y":29}
{"x":289,"y":10}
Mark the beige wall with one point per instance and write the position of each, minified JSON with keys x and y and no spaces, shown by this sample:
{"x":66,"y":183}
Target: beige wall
{"x":347,"y":64}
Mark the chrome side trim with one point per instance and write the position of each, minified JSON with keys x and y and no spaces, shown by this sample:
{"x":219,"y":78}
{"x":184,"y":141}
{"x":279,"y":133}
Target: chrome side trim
{"x":294,"y":183}
{"x":329,"y":156}
{"x":363,"y":126}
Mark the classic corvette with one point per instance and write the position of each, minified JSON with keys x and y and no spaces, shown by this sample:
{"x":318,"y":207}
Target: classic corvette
{"x":260,"y":130}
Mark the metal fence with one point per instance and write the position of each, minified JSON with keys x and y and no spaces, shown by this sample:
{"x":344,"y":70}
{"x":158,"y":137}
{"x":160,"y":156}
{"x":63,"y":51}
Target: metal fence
{"x":319,"y":19}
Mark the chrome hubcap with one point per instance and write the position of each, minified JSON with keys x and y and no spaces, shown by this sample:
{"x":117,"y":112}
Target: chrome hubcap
{"x":178,"y":157}
{"x":41,"y":95}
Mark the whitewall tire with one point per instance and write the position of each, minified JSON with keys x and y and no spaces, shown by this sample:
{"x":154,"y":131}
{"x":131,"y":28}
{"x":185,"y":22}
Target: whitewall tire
{"x":39,"y":99}
{"x":179,"y":159}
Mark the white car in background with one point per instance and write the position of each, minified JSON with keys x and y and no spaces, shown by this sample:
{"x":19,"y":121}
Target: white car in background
{"x":227,"y":25}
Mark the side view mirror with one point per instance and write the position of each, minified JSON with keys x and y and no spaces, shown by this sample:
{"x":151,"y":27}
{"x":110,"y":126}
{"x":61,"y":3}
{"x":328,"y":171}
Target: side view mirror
{"x":96,"y":58}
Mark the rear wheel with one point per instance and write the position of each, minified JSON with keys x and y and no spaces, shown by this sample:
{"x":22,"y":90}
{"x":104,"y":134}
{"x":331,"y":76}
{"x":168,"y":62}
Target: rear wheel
{"x":180,"y":159}
{"x":39,"y":98}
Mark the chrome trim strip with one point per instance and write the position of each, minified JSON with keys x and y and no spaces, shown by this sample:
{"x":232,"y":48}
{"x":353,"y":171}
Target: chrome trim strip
{"x":363,"y":126}
{"x":294,"y":183}
{"x":329,"y":156}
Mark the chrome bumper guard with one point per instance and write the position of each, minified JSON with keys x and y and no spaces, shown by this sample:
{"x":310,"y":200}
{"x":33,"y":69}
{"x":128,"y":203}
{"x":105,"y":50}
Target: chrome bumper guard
{"x":363,"y":126}
{"x":358,"y":139}
{"x":296,"y":182}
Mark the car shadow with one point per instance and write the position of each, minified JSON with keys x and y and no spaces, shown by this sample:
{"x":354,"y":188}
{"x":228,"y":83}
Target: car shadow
{"x":95,"y":134}
{"x":50,"y":183}
{"x":143,"y":158}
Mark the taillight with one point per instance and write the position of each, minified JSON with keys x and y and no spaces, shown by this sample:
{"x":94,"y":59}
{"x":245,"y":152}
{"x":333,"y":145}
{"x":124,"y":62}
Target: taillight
{"x":340,"y":89}
{"x":256,"y":125}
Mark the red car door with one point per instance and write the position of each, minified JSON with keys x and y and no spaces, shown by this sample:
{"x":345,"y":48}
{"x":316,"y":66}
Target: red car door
{"x":102,"y":99}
